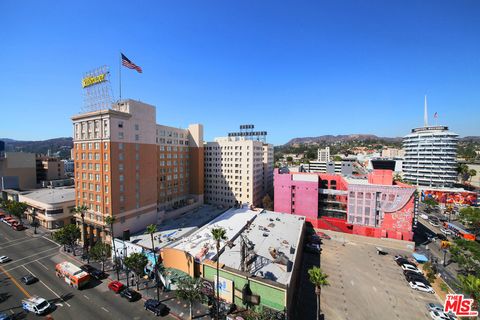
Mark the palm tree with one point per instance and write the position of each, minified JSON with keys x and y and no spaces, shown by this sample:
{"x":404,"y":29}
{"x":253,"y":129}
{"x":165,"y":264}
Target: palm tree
{"x":81,"y":211}
{"x":189,"y":289}
{"x":34,"y":220}
{"x":110,"y":220}
{"x":218,"y":234}
{"x":151,"y":229}
{"x":470,"y":285}
{"x":319,"y":280}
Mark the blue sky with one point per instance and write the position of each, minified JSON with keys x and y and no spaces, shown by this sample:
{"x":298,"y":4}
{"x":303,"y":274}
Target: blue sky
{"x":292,"y":68}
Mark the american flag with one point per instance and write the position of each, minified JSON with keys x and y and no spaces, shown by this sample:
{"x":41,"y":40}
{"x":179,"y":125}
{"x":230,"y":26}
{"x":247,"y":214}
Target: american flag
{"x":129,"y":64}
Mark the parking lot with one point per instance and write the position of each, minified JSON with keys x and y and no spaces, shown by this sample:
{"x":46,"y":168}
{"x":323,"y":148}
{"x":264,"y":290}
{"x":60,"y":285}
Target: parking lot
{"x":365,"y":285}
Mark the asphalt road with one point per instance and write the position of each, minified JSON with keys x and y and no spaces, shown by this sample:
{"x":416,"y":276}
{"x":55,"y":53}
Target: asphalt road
{"x":38,"y":255}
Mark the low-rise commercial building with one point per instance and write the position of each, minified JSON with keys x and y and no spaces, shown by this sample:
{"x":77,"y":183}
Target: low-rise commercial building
{"x":259,"y":261}
{"x":52,"y":207}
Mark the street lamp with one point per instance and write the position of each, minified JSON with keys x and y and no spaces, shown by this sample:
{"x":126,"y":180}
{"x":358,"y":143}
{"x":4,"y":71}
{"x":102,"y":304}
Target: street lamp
{"x":34,"y":222}
{"x":82,"y":216}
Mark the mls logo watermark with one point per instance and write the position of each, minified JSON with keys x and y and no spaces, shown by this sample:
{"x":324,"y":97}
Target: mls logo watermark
{"x":459,"y":305}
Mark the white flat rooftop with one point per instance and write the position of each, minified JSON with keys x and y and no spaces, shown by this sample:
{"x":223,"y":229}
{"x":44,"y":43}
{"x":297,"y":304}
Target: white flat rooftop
{"x":177,"y":228}
{"x":268,"y":232}
{"x":51,"y":196}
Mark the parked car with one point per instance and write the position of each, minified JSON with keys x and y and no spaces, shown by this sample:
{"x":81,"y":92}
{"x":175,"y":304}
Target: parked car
{"x":4,"y":259}
{"x":87,"y":268}
{"x":312,"y":248}
{"x":130,"y":294}
{"x":28,"y":279}
{"x":434,"y":307}
{"x":116,"y":286}
{"x":439,"y":315}
{"x":314,"y":239}
{"x":18,"y":227}
{"x":419,"y":278}
{"x":423,"y":216}
{"x":323,"y":235}
{"x":420,"y":286}
{"x":410,"y":267}
{"x":4,"y":316}
{"x":2,"y":215}
{"x":401,"y":260}
{"x":94,"y":272}
{"x":445,"y":231}
{"x":435,"y":223}
{"x":155,"y":306}
{"x":441,"y":236}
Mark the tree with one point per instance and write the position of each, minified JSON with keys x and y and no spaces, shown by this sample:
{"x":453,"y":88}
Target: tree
{"x":472,"y":173}
{"x":471,"y":215}
{"x":17,"y":209}
{"x":430,"y":273}
{"x":267,"y":203}
{"x":319,"y":280}
{"x":462,"y":170}
{"x":136,"y":262}
{"x":430,"y":202}
{"x":289,"y":159}
{"x":80,"y":210}
{"x":68,"y":236}
{"x":470,"y":285}
{"x":398,"y":177}
{"x":151,"y":229}
{"x":218,"y":234}
{"x":101,"y":252}
{"x":467,"y":254}
{"x":337,"y":158}
{"x":110,"y":220}
{"x":189,"y":289}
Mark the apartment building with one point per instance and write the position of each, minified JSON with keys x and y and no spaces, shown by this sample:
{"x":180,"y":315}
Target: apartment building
{"x":237,"y":170}
{"x":129,"y":167}
{"x":323,"y":155}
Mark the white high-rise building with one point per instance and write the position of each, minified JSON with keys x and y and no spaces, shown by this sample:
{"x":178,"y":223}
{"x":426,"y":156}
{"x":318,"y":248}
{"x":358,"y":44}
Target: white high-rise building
{"x":324,"y":155}
{"x":237,"y":170}
{"x":430,"y":155}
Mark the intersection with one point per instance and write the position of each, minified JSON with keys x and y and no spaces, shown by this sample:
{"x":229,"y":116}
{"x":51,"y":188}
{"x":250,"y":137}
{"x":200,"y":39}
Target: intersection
{"x":38,"y":255}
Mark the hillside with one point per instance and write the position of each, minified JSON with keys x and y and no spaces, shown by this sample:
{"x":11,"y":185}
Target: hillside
{"x":57,"y":145}
{"x":329,"y":139}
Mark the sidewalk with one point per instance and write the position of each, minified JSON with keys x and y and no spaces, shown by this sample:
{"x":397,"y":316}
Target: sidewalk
{"x":178,"y":308}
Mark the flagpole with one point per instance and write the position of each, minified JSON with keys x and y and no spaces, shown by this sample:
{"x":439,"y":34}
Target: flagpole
{"x":120,"y":75}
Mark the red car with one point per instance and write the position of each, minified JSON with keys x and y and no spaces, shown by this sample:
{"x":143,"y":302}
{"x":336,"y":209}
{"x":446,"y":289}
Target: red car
{"x":116,"y":286}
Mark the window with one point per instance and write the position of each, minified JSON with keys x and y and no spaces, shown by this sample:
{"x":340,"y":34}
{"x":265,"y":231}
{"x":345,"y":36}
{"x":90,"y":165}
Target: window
{"x":97,"y":146}
{"x":120,"y":124}
{"x":120,"y":167}
{"x":137,"y":137}
{"x":136,"y":127}
{"x":120,"y":156}
{"x":121,"y":177}
{"x":120,"y":135}
{"x":105,"y":156}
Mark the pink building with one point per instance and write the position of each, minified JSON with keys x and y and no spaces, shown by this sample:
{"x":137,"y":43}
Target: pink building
{"x":372,"y":206}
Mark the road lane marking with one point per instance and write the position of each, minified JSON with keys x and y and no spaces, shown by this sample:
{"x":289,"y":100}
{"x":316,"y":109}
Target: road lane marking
{"x":51,"y":241}
{"x":16,"y":243}
{"x":41,"y":263}
{"x":24,"y":264}
{"x":14,"y":240}
{"x":47,"y":286}
{"x":86,"y":297}
{"x":25,"y":292}
{"x":14,"y":261}
{"x":105,"y":310}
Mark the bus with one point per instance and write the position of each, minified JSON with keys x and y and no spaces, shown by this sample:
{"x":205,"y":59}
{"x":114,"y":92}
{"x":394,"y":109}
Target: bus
{"x":73,"y":275}
{"x":459,"y":231}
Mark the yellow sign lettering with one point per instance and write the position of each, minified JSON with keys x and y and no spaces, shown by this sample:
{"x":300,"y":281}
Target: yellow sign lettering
{"x":90,"y":81}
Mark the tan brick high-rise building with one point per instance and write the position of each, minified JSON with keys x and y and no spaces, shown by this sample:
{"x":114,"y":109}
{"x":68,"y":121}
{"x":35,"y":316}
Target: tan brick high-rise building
{"x":129,"y":167}
{"x":237,"y":170}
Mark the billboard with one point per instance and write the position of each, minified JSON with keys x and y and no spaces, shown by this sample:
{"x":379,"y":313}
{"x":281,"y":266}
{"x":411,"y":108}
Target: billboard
{"x":451,"y":197}
{"x":91,"y":80}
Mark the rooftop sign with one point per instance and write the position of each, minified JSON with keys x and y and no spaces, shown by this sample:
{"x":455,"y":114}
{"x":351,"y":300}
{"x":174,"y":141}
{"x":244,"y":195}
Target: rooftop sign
{"x":429,"y":128}
{"x":91,"y":80}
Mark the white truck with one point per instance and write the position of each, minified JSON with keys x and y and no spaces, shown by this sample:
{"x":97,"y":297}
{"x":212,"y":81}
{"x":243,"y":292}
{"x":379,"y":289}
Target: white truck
{"x":36,"y":305}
